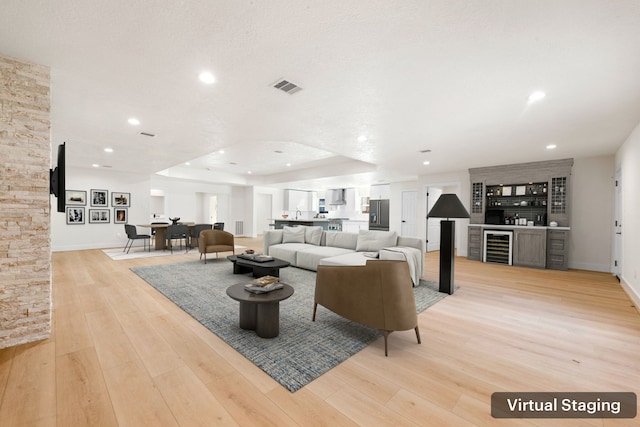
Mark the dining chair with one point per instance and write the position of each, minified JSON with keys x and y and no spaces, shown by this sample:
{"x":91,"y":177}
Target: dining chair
{"x":195,"y":232}
{"x":132,"y":235}
{"x":177,"y":232}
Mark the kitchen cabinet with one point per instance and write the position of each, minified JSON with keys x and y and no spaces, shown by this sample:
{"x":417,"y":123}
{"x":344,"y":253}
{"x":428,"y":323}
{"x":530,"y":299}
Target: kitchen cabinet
{"x":530,"y":247}
{"x":474,"y":249}
{"x":552,"y":175}
{"x":297,"y":200}
{"x":557,"y":249}
{"x":559,"y":209}
{"x":380,"y":192}
{"x":354,"y":226}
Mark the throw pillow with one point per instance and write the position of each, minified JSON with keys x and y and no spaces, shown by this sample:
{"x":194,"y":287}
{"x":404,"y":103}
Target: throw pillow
{"x":312,"y":235}
{"x":293,"y":235}
{"x":374,"y":240}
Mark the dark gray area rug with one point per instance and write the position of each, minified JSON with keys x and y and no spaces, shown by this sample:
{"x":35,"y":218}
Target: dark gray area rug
{"x":303,"y":350}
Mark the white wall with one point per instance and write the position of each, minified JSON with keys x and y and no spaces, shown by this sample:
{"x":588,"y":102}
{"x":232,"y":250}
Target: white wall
{"x":591,"y":216}
{"x":628,"y":159}
{"x":66,"y":237}
{"x":183,"y":198}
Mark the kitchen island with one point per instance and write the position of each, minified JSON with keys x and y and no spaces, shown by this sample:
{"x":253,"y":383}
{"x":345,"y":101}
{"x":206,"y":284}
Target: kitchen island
{"x":280,"y":223}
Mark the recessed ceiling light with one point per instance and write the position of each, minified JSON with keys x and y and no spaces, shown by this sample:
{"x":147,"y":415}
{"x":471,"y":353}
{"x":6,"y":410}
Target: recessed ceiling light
{"x":362,"y":138}
{"x":551,"y":146}
{"x":95,"y":165}
{"x":134,"y":121}
{"x":221,"y":151}
{"x":426,"y":162}
{"x":288,"y":164}
{"x":536,"y":96}
{"x":108,"y":150}
{"x":249,"y":172}
{"x":188,"y":163}
{"x":206,"y":77}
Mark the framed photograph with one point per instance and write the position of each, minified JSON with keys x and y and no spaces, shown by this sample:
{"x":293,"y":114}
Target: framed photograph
{"x":75,"y":215}
{"x":521,"y":190}
{"x":99,"y":198}
{"x":120,"y":215}
{"x":75,"y":198}
{"x":99,"y":216}
{"x":506,"y":190}
{"x":120,"y":200}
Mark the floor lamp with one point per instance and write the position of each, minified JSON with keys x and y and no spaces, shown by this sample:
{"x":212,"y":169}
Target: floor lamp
{"x":447,"y":206}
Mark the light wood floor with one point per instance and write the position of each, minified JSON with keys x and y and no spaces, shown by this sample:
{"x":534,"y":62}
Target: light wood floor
{"x":122,"y":354}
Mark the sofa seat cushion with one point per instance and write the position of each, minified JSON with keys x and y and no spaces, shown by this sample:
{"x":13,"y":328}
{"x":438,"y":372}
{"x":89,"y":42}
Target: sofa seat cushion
{"x":309,"y":257}
{"x":287,"y":251}
{"x":353,"y":258}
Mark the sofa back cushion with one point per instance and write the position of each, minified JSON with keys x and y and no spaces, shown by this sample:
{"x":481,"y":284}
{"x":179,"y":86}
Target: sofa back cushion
{"x":339,"y":239}
{"x":312,"y":235}
{"x":293,"y":235}
{"x":374,"y":240}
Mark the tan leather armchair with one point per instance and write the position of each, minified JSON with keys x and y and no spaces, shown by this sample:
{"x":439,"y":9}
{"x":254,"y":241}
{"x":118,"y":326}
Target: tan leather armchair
{"x":214,"y":241}
{"x":379,"y":295}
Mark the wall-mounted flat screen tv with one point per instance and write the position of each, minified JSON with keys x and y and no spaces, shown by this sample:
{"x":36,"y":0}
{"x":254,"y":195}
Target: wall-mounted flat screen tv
{"x":57,"y":184}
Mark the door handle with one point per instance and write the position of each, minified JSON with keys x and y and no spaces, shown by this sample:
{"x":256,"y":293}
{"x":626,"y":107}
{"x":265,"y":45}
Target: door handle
{"x":619,"y":233}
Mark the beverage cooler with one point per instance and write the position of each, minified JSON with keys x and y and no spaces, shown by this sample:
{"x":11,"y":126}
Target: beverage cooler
{"x":498,"y":247}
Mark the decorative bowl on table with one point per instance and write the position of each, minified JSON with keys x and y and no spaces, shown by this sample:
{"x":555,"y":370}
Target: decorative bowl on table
{"x":249,"y":251}
{"x":174,"y":221}
{"x":285,"y":216}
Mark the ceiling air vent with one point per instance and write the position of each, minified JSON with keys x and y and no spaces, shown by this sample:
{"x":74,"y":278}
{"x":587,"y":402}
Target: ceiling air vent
{"x":150,"y":135}
{"x":287,"y":86}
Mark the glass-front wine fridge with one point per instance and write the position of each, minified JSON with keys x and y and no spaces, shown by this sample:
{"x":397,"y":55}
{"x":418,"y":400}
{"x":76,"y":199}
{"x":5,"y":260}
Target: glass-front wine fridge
{"x":498,"y":246}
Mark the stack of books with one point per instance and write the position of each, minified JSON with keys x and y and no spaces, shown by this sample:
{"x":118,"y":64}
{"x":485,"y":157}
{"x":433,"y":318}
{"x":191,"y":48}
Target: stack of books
{"x":263,"y":284}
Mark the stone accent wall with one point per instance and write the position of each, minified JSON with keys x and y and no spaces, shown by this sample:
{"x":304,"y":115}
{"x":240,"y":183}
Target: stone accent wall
{"x":25,"y":152}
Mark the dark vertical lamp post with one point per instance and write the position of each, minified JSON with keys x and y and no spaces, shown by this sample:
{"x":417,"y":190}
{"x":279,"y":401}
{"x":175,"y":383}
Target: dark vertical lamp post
{"x":447,"y":206}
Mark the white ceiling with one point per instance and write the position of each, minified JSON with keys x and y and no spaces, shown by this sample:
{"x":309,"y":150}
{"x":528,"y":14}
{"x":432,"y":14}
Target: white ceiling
{"x":449,"y":76}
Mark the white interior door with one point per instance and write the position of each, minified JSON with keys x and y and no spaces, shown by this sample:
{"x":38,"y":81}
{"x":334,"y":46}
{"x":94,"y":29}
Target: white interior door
{"x":409,"y":226}
{"x":617,"y":237}
{"x":264,"y":214}
{"x":433,"y":224}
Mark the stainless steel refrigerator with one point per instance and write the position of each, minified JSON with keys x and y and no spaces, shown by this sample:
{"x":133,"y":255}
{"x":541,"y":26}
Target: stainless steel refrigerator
{"x":379,"y":215}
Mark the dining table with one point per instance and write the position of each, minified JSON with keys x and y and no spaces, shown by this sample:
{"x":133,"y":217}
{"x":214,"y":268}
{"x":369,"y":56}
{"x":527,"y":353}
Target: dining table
{"x":161,"y":231}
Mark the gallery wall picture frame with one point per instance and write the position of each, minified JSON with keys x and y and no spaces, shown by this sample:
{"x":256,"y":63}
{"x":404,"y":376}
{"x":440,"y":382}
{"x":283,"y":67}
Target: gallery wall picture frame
{"x":99,"y":198}
{"x":99,"y":216}
{"x":75,"y":215}
{"x":120,"y":200}
{"x":75,"y":197}
{"x":120,"y":215}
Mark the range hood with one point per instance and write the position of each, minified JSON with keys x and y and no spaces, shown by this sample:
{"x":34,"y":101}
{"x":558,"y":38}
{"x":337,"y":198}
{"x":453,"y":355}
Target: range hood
{"x":337,"y":197}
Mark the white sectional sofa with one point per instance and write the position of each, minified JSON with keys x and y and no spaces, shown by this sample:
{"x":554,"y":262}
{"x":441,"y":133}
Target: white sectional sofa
{"x":307,"y":247}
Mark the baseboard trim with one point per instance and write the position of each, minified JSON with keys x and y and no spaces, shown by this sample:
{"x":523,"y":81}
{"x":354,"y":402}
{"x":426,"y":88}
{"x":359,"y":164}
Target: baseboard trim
{"x":590,"y":267}
{"x":633,"y":295}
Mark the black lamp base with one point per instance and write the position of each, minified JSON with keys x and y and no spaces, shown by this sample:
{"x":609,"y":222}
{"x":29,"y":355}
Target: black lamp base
{"x":447,"y":245}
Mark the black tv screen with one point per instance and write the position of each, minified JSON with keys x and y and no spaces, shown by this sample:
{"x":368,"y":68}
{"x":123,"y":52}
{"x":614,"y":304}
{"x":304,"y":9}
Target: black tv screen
{"x":57,"y":184}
